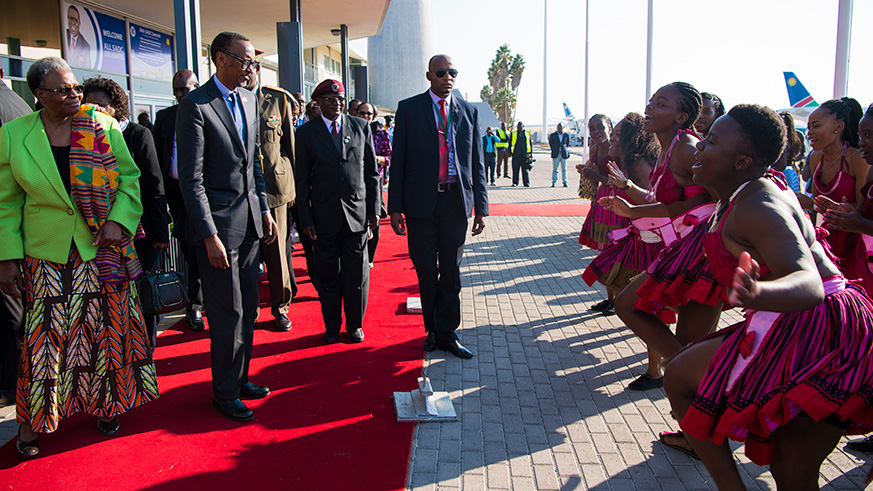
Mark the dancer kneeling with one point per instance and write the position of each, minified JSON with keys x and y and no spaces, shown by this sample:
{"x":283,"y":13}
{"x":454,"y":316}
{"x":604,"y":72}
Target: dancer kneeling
{"x":796,"y":375}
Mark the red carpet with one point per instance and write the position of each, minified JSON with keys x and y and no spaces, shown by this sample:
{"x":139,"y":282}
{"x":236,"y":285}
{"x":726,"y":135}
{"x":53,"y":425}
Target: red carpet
{"x":329,"y":423}
{"x":536,"y":210}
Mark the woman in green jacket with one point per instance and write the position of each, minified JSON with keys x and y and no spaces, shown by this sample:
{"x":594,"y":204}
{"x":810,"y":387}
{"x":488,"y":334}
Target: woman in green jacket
{"x":69,"y":212}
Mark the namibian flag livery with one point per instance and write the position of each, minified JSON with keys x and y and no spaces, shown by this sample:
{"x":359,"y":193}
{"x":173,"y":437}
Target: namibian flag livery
{"x":798,"y":96}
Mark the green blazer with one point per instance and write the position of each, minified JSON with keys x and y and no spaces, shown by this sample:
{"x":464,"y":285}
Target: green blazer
{"x":37,"y":216}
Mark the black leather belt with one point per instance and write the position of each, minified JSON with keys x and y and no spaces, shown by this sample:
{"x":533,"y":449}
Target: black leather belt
{"x":442,"y":188}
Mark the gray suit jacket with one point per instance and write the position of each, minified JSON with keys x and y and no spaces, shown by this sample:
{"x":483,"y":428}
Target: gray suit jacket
{"x":332,"y":186}
{"x":221,"y":184}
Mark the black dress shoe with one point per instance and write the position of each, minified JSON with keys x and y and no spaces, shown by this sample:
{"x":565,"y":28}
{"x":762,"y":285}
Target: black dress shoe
{"x":26,"y":450}
{"x":249,"y":391}
{"x":861,"y":444}
{"x":108,"y":428}
{"x":233,"y":409}
{"x":195,"y":320}
{"x":357,"y":335}
{"x":283,"y":323}
{"x":456,"y":348}
{"x":430,"y":342}
{"x":600,"y":306}
{"x":331,"y":337}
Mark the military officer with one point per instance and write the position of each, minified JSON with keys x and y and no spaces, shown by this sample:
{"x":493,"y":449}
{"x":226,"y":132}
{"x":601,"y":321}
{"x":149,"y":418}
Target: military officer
{"x":277,"y":164}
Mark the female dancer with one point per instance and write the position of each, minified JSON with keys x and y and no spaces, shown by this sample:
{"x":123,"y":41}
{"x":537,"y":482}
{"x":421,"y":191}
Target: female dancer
{"x":838,"y":170}
{"x":711,"y":110}
{"x":599,"y":222}
{"x":679,"y":280}
{"x":796,"y":375}
{"x":633,"y":248}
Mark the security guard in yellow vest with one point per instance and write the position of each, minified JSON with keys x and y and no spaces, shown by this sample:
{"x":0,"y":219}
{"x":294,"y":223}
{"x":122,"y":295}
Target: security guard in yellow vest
{"x":521,"y":152}
{"x":503,"y":150}
{"x":277,"y":162}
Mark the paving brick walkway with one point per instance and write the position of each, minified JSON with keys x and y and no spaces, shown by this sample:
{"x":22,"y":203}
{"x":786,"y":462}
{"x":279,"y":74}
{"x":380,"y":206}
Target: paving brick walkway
{"x":543,"y":404}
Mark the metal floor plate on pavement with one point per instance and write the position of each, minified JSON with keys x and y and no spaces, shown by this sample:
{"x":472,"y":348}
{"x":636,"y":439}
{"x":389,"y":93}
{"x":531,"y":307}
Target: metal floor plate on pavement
{"x":424,"y":405}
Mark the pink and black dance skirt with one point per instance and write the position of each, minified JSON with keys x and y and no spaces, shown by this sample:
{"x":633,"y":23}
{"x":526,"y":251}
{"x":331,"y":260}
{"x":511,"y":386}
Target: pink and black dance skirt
{"x":773,"y":366}
{"x":601,"y":221}
{"x":681,"y":273}
{"x":626,"y":257}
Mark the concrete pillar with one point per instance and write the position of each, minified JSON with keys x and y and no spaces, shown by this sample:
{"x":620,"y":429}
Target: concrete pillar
{"x":289,"y":39}
{"x":397,"y":57}
{"x":844,"y":44}
{"x":187,"y":19}
{"x":362,"y":90}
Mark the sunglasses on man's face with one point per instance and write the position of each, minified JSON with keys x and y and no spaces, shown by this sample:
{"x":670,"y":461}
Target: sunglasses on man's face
{"x":442,"y":72}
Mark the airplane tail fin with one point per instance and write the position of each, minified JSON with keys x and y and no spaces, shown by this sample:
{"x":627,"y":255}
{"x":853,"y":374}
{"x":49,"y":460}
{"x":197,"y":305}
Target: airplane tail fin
{"x":567,"y":113}
{"x":798,"y":96}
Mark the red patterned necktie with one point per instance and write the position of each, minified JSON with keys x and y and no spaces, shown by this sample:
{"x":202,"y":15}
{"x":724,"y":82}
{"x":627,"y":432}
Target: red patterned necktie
{"x":334,"y":132}
{"x":444,"y":143}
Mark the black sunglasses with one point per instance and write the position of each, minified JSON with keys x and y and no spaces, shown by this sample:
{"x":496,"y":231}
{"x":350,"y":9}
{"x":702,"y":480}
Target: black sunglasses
{"x":256,"y":65}
{"x":66,"y":90}
{"x":334,"y":99}
{"x":442,"y":72}
{"x":365,"y":113}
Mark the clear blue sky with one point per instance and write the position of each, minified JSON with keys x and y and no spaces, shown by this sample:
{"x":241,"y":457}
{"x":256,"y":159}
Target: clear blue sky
{"x":737,"y":49}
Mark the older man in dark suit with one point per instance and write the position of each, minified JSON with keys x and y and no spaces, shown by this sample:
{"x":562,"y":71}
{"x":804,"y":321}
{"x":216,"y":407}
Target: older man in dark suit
{"x":221,"y":181}
{"x":437,"y":181}
{"x":338,"y":198}
{"x":184,"y":81}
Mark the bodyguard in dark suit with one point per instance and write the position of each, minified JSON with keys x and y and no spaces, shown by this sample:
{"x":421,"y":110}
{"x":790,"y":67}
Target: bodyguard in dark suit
{"x":437,"y":182}
{"x":184,"y":81}
{"x":338,"y":198}
{"x":221,"y":182}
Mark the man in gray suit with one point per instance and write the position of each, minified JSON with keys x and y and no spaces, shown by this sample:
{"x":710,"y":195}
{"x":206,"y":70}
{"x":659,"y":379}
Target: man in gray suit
{"x":221,"y":182}
{"x":338,"y":198}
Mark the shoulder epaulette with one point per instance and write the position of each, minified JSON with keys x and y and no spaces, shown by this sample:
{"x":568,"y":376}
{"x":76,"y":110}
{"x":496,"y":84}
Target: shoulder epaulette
{"x":279,"y":89}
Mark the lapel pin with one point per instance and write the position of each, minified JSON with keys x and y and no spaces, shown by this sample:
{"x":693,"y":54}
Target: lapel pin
{"x":346,"y":140}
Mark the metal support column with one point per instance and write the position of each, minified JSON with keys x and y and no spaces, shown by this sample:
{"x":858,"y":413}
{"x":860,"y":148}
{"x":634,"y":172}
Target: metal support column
{"x":289,"y":38}
{"x":187,"y":15}
{"x":844,"y":44}
{"x":344,"y":43}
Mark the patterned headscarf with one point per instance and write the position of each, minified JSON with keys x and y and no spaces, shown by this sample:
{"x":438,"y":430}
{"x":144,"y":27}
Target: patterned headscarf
{"x":94,"y":184}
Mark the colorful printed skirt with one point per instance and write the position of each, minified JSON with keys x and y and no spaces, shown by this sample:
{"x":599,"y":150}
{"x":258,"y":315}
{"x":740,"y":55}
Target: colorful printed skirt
{"x":85,"y":346}
{"x":681,"y":273}
{"x":773,"y":366}
{"x":601,"y":221}
{"x":625,"y":258}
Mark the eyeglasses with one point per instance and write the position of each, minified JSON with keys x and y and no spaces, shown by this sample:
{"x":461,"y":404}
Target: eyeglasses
{"x":335,"y":99}
{"x":66,"y":90}
{"x":246,"y":64}
{"x":365,"y":113}
{"x":442,"y":72}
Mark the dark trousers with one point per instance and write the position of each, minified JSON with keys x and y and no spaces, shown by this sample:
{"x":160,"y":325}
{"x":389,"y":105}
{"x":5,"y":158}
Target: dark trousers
{"x":436,"y":246}
{"x":232,"y":296}
{"x":177,"y":208}
{"x":519,"y":163}
{"x":503,"y":158}
{"x":374,"y":240}
{"x":148,"y":258}
{"x":11,"y":331}
{"x":342,"y":278}
{"x":277,"y":258}
{"x":490,"y":164}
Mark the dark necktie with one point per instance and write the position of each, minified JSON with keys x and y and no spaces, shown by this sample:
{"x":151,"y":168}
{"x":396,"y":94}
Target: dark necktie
{"x":334,"y":134}
{"x":444,"y":143}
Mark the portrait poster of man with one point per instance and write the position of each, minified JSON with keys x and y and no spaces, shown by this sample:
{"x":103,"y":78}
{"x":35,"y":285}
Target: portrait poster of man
{"x":93,"y":40}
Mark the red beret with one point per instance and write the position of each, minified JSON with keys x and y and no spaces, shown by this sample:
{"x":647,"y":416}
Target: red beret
{"x":329,"y":86}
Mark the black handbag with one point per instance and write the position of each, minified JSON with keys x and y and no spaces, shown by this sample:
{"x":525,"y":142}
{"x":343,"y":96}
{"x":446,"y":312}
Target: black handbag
{"x":162,"y":292}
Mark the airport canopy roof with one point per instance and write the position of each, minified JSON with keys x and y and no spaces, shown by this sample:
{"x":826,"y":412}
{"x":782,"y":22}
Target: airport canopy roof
{"x":35,"y":20}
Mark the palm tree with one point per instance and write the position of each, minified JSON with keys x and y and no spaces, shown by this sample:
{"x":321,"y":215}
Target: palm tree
{"x":504,"y":77}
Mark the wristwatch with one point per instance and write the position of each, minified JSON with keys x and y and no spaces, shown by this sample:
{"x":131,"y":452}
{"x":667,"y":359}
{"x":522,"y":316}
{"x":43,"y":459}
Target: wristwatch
{"x":627,"y":185}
